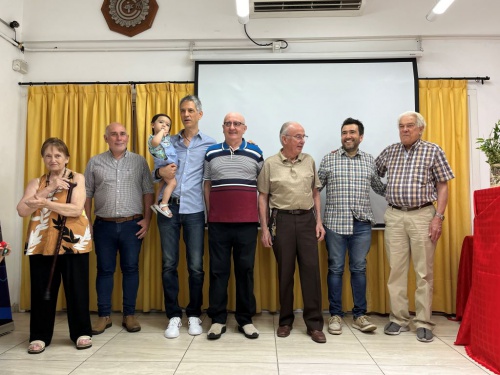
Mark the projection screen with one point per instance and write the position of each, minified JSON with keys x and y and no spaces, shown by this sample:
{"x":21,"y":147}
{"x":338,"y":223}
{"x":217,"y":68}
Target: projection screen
{"x":317,"y":94}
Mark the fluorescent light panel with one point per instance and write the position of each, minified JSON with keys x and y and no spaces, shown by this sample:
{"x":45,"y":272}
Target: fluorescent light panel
{"x":439,"y":8}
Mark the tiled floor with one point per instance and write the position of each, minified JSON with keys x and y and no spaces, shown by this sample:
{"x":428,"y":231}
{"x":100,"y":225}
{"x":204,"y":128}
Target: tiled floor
{"x":149,"y":352}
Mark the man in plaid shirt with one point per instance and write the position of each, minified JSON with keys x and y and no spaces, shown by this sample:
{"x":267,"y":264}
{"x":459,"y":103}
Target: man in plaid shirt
{"x":417,"y":176}
{"x":348,"y":175}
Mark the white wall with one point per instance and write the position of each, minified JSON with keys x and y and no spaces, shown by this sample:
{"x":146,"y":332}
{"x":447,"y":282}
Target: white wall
{"x":12,"y":132}
{"x":463,"y":42}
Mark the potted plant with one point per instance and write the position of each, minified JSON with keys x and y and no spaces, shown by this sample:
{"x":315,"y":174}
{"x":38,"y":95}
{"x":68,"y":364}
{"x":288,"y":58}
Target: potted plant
{"x":491,"y":148}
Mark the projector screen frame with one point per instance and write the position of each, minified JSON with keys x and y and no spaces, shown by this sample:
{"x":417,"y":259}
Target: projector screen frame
{"x":413,"y":61}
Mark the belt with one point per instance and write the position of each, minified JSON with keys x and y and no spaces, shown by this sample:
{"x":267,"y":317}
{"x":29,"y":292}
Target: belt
{"x":294,"y":212}
{"x":411,"y":208}
{"x":119,"y":219}
{"x":174,"y":200}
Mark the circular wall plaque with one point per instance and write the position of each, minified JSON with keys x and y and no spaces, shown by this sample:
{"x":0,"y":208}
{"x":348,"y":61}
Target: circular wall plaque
{"x":129,"y":17}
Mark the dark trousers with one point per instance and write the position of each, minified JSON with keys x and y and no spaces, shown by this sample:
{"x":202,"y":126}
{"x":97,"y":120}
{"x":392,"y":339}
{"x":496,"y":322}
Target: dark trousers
{"x":296,"y":240}
{"x":74,"y":272}
{"x":241,"y":238}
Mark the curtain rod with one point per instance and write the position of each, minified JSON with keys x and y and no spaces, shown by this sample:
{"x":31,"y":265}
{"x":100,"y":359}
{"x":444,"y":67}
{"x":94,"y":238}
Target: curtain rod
{"x":476,"y":79}
{"x":97,"y":83}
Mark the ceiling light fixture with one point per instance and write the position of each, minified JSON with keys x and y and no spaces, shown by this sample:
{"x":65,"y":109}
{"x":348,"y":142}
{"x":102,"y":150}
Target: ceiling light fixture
{"x":439,"y":8}
{"x":243,"y":11}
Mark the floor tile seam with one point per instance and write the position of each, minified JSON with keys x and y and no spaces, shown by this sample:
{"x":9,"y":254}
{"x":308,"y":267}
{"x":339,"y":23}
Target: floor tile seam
{"x":185,"y":352}
{"x":105,"y":343}
{"x":275,"y":335}
{"x":466,"y":356}
{"x":366,"y":349}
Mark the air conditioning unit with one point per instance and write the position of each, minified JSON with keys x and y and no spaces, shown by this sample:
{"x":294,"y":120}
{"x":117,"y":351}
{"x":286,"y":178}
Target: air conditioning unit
{"x":301,"y":8}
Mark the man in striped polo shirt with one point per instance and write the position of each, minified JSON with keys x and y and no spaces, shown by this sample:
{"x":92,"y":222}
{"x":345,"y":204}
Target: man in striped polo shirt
{"x":230,"y":184}
{"x":417,"y":176}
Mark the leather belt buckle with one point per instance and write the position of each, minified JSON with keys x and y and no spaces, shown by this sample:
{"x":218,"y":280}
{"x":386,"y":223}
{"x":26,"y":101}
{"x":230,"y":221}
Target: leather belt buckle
{"x":174,"y":200}
{"x":294,"y":212}
{"x":119,"y":220}
{"x":406,"y":209}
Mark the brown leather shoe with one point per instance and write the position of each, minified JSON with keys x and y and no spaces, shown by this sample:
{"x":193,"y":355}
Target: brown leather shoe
{"x":101,"y":324}
{"x":131,"y":324}
{"x":317,"y":336}
{"x":284,"y":331}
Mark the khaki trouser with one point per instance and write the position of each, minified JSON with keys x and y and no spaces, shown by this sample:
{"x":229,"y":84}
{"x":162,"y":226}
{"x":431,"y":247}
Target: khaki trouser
{"x":407,"y":234}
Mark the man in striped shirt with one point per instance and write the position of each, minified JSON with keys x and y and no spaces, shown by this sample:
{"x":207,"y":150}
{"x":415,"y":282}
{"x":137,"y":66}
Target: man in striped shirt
{"x":348,"y":175}
{"x":230,"y":185}
{"x":417,"y":175}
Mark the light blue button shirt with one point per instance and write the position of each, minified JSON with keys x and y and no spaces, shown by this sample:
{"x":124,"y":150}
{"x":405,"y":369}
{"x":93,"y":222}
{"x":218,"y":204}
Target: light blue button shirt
{"x":190,"y":172}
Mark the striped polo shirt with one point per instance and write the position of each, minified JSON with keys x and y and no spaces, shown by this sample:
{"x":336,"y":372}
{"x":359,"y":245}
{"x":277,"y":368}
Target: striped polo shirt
{"x":233,"y":175}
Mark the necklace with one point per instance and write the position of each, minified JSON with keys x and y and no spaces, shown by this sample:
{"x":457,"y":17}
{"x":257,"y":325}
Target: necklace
{"x":47,"y":181}
{"x":186,"y":138}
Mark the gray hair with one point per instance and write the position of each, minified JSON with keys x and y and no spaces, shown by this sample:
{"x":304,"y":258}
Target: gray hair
{"x":419,"y":118}
{"x":194,"y":99}
{"x":284,"y":129}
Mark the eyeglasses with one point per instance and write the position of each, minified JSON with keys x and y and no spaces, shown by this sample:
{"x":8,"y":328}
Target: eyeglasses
{"x":408,"y":126}
{"x":236,"y":124}
{"x":298,"y":137}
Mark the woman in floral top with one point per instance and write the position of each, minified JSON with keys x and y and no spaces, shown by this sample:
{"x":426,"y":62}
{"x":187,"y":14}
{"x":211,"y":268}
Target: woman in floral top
{"x":46,"y":201}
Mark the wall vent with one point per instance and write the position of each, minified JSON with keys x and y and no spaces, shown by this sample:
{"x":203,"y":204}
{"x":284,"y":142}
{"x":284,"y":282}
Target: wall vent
{"x":301,"y":8}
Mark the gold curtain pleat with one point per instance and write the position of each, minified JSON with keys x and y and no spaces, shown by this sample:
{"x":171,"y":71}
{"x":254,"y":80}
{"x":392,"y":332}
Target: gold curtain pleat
{"x":442,"y":103}
{"x":78,"y":115}
{"x":150,"y":100}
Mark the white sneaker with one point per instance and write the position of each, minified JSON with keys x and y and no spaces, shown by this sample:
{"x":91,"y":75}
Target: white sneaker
{"x":172,"y":330}
{"x":194,"y":326}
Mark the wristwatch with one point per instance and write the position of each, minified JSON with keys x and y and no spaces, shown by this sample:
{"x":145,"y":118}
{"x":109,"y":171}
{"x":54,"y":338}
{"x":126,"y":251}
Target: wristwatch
{"x":440,"y":216}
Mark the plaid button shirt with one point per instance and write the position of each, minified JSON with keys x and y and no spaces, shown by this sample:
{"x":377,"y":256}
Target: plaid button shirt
{"x":348,"y":181}
{"x":412,"y":175}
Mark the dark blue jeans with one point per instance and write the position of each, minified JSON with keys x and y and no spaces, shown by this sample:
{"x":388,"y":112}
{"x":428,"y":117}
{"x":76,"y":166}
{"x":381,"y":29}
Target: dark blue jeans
{"x":357,"y":245}
{"x":110,"y":238}
{"x":193,"y":233}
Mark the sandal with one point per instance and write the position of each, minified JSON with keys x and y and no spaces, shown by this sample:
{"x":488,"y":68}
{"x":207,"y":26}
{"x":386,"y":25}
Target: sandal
{"x":36,"y":347}
{"x":83,"y":342}
{"x":160,"y":209}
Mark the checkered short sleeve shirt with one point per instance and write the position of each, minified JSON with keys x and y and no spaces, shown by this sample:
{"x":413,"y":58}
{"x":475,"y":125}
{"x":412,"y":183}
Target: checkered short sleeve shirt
{"x":348,"y":181}
{"x":412,"y":175}
{"x":118,"y":186}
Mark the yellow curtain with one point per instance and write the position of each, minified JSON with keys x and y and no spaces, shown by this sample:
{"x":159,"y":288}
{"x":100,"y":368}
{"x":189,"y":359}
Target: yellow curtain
{"x":152,"y":99}
{"x":443,"y":103}
{"x":78,"y":115}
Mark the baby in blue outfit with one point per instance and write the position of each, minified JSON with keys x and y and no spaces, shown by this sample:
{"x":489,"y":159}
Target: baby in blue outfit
{"x":161,"y":148}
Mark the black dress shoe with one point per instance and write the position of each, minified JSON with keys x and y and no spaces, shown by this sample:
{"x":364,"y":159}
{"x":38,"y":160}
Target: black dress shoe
{"x":284,"y":331}
{"x":317,"y":336}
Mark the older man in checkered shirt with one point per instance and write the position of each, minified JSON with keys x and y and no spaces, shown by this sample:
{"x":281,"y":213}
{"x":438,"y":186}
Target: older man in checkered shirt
{"x":417,"y":176}
{"x":348,"y":175}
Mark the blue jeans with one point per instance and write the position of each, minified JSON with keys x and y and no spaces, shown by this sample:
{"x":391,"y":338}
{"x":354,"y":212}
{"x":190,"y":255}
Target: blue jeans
{"x":193,"y":231}
{"x":110,"y":238}
{"x":358,"y":245}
